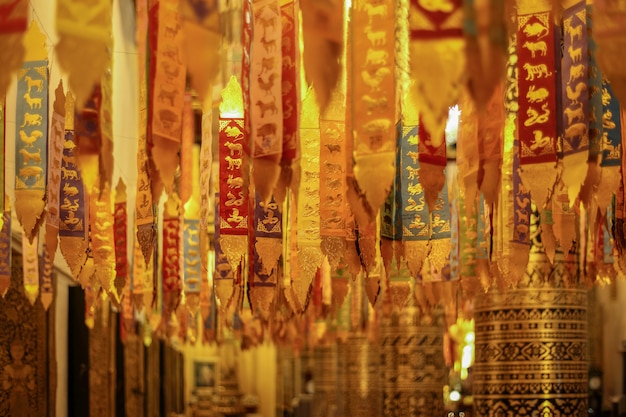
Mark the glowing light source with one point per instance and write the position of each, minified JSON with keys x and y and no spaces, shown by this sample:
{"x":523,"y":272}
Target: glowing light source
{"x":232,"y":100}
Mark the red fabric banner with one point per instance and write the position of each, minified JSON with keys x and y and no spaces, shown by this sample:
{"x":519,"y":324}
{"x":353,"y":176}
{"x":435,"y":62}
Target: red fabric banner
{"x":537,"y":122}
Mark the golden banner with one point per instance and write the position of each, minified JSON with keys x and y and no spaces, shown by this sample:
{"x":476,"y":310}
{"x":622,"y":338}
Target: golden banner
{"x":373,"y":99}
{"x":13,"y":23}
{"x":84,"y":29}
{"x":167,"y":84}
{"x":55,"y":154}
{"x":30,"y":267}
{"x":102,"y":241}
{"x":31,"y":149}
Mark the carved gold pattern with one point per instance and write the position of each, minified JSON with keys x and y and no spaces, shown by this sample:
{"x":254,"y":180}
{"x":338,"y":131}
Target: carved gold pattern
{"x":538,"y":330}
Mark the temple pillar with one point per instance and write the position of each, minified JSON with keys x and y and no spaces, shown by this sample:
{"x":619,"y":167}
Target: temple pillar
{"x":531,"y":346}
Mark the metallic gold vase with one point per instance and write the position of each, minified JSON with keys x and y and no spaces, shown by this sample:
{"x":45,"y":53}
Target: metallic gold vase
{"x":531,"y":347}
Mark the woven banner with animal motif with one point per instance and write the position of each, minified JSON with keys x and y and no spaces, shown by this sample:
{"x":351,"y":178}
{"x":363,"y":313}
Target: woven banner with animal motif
{"x":373,"y":99}
{"x":432,"y":161}
{"x":308,"y":220}
{"x":537,"y":122}
{"x":46,"y":282}
{"x":5,"y":252}
{"x":106,"y":126}
{"x":13,"y":16}
{"x":437,"y":60}
{"x":102,"y":241}
{"x":333,"y":207}
{"x":89,"y":139}
{"x":31,"y":148}
{"x":290,"y":80}
{"x":608,"y":32}
{"x":167,"y":82}
{"x":201,"y":21}
{"x":55,"y":153}
{"x":144,"y":211}
{"x":266,"y":115}
{"x":2,"y":158}
{"x":13,"y":23}
{"x":439,"y":254}
{"x":415,"y":217}
{"x":611,"y":147}
{"x":223,"y":274}
{"x":575,"y":98}
{"x":232,"y":147}
{"x":192,"y":269}
{"x":390,"y":226}
{"x":171,"y":277}
{"x":30,"y":267}
{"x":84,"y":27}
{"x":72,"y":211}
{"x":120,"y":227}
{"x":268,"y":248}
{"x":595,"y":90}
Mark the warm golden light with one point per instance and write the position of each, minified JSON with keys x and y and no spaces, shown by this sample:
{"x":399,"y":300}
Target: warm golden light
{"x":232,"y":100}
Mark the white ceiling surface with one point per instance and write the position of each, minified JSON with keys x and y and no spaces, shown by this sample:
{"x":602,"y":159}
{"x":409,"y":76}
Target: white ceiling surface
{"x":125,"y":99}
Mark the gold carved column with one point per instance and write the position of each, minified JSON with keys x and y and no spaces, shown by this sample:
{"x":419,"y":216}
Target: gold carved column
{"x":325,"y":379}
{"x":412,"y":363}
{"x":531,"y":346}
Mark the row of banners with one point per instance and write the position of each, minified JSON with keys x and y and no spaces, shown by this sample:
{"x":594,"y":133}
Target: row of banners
{"x":351,"y":177}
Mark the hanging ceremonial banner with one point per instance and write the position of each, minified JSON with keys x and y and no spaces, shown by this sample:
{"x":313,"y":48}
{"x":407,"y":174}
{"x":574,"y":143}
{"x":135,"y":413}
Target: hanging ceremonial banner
{"x":106,"y":127}
{"x":144,"y":211}
{"x":55,"y":154}
{"x":491,"y":131}
{"x":468,"y":170}
{"x":5,"y":251}
{"x":30,"y":268}
{"x":233,"y":224}
{"x":13,"y":24}
{"x":120,"y":219}
{"x":415,"y":218}
{"x":437,"y":61}
{"x":390,"y":213}
{"x":332,"y":177}
{"x":200,"y":21}
{"x":290,"y":93}
{"x":2,"y":157}
{"x":266,"y":111}
{"x":575,"y":98}
{"x":268,"y":248}
{"x":84,"y":29}
{"x":206,"y":188}
{"x":608,"y":32}
{"x":167,"y":84}
{"x":192,"y":267}
{"x":74,"y":205}
{"x":102,"y":241}
{"x":46,"y":284}
{"x":31,"y":115}
{"x":440,"y":234}
{"x":308,"y":220}
{"x":88,"y":139}
{"x":432,"y":162}
{"x":510,"y":266}
{"x":611,"y":147}
{"x":223,"y":274}
{"x":322,"y":35}
{"x":172,"y":283}
{"x":485,"y":29}
{"x":537,"y":123}
{"x":186,"y":181}
{"x":373,"y":99}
